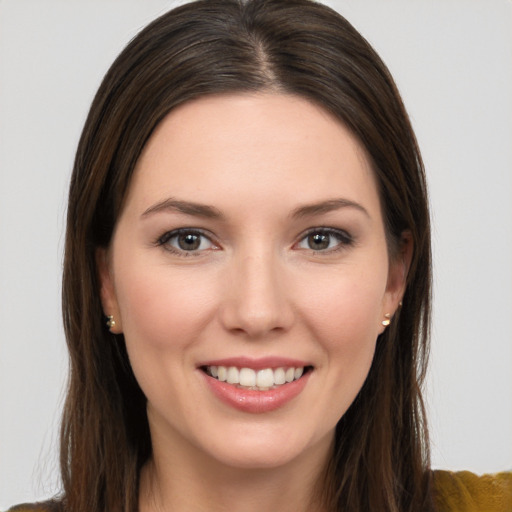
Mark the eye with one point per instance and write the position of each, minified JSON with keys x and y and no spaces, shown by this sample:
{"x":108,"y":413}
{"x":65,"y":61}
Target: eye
{"x":325,"y":239}
{"x":183,"y":241}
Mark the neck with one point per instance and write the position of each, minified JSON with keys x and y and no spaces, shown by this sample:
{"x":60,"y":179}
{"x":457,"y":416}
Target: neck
{"x":194,"y":484}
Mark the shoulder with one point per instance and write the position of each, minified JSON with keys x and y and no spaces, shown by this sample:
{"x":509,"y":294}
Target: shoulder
{"x":46,"y":506}
{"x":466,"y":492}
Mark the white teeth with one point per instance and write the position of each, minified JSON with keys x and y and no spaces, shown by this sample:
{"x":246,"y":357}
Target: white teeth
{"x":265,"y":378}
{"x":222,"y":373}
{"x":261,"y":380}
{"x":247,"y":377}
{"x":233,"y":376}
{"x":279,"y":376}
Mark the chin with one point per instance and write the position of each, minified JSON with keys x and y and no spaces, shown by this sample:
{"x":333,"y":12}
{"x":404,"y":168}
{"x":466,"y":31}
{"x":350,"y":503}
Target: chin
{"x":258,"y":450}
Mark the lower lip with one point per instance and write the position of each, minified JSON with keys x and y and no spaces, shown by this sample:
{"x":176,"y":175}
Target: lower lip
{"x":256,"y":402}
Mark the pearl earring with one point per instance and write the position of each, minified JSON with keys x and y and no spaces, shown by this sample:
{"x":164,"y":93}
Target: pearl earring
{"x":386,"y":322}
{"x":110,"y":321}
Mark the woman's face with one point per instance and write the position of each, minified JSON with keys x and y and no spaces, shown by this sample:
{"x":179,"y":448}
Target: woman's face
{"x":251,"y":249}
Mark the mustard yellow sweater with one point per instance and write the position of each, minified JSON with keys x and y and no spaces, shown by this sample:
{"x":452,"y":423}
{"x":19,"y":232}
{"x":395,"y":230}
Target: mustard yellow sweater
{"x":467,"y":492}
{"x":453,"y":492}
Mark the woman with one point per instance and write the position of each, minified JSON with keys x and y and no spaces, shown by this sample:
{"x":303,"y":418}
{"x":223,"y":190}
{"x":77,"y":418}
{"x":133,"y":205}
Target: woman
{"x":247,"y":273}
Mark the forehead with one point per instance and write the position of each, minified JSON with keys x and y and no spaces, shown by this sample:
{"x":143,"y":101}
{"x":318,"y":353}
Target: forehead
{"x":244,"y":143}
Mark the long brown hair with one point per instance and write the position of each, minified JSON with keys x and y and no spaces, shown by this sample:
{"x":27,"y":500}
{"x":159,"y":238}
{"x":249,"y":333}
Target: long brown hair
{"x":380,"y":459}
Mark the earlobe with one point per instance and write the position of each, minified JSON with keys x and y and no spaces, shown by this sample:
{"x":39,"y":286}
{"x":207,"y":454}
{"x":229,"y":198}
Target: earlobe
{"x":107,"y":292}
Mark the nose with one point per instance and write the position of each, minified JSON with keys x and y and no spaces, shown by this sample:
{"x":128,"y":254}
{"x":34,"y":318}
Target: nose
{"x":256,"y":299}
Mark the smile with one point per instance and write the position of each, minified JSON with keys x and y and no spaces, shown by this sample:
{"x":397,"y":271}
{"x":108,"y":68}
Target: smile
{"x":257,"y":380}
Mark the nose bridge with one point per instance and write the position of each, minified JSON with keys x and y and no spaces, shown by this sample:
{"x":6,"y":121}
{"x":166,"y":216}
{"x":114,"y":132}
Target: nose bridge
{"x":256,"y":300}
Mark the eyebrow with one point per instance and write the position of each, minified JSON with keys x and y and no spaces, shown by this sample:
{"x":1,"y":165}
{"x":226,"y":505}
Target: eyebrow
{"x":186,"y":207}
{"x":330,"y":205}
{"x":210,"y":212}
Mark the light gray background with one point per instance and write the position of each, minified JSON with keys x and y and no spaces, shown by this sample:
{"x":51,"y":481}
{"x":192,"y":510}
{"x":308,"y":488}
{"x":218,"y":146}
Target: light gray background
{"x":452,"y":60}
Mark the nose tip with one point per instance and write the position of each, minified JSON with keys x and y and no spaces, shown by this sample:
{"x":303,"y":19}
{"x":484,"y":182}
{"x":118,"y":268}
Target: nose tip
{"x":256,"y":302}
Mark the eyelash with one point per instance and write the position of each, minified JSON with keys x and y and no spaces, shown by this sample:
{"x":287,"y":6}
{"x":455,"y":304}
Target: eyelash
{"x":343,"y":238}
{"x":164,"y":240}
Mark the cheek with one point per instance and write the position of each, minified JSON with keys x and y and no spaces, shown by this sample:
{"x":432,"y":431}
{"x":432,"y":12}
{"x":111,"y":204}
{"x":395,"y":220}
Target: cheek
{"x":345,"y":308}
{"x":344,"y":313}
{"x":161,"y":308}
{"x":163,"y":315}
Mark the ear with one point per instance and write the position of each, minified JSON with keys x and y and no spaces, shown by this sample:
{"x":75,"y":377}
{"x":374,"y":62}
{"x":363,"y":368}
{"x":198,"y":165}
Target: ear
{"x":107,"y":290}
{"x":397,"y":276}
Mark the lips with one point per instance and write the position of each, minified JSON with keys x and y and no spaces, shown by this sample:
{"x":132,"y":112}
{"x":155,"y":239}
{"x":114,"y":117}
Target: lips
{"x":256,"y":386}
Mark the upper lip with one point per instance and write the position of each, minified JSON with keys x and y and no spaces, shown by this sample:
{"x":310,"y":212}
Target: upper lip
{"x":257,"y":363}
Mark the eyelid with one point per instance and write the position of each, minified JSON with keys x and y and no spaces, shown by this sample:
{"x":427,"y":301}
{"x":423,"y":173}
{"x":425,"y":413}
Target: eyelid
{"x":345,"y":239}
{"x":163,"y":240}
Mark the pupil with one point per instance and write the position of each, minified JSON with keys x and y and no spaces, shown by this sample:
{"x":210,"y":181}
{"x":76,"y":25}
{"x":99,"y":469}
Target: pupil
{"x":318,"y":241}
{"x":189,"y":242}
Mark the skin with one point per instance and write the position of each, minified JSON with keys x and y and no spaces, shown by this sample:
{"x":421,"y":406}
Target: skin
{"x":254,"y":287}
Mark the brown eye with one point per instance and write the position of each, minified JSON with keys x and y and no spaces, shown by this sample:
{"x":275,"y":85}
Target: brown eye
{"x":318,"y":241}
{"x":325,"y":240}
{"x":186,"y":241}
{"x":189,"y":242}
